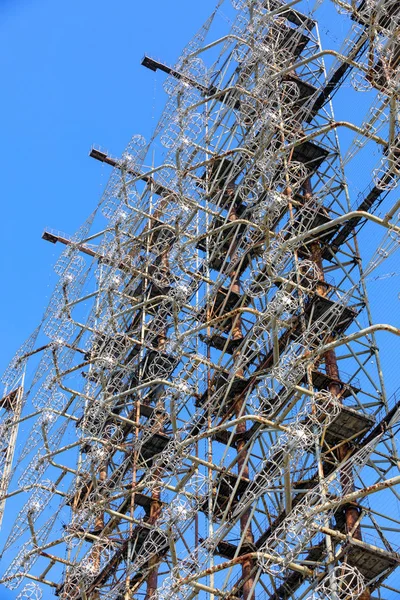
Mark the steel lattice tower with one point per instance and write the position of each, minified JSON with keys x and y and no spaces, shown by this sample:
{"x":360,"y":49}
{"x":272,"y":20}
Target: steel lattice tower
{"x":206,"y":405}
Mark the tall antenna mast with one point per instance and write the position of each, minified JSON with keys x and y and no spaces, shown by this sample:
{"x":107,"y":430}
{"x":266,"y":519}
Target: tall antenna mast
{"x":208,"y":415}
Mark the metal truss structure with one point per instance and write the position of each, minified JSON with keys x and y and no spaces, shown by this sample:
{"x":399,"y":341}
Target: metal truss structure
{"x":202,"y":411}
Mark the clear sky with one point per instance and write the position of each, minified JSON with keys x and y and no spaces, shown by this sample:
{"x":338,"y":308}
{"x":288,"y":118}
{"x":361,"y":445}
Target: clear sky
{"x":71,"y":77}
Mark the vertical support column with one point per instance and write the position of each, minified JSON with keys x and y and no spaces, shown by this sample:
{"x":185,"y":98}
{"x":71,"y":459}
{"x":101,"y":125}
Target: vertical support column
{"x":155,"y":504}
{"x":152,"y":578}
{"x":245,"y":524}
{"x":242,"y":462}
{"x":99,"y":526}
{"x":12,"y":403}
{"x":351,"y":511}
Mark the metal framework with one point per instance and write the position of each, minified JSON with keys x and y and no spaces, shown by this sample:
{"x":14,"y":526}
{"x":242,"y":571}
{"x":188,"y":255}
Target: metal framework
{"x":204,"y":412}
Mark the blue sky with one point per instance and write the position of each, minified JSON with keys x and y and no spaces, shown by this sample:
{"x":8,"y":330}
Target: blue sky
{"x":71,"y":77}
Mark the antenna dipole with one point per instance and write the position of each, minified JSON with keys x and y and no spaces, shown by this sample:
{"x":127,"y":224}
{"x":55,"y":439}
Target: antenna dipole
{"x":207,"y":413}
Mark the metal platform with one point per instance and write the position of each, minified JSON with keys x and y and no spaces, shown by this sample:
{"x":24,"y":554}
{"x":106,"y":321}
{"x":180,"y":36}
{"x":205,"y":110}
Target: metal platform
{"x":384,"y":73}
{"x":109,"y":345}
{"x":223,"y":239}
{"x":221,"y":342}
{"x":223,"y":302}
{"x":306,"y":90}
{"x":219,"y":260}
{"x":391,"y":9}
{"x":223,"y":171}
{"x":369,"y":561}
{"x":294,"y":579}
{"x":349,"y":423}
{"x":322,"y":381}
{"x":373,"y":196}
{"x":229,"y":550}
{"x":154,"y":361}
{"x":9,"y":401}
{"x":150,"y":290}
{"x":159,"y":232}
{"x":292,"y":40}
{"x":153,"y":446}
{"x":145,"y":501}
{"x":223,"y":492}
{"x":294,"y":16}
{"x":133,"y":544}
{"x":220,"y":244}
{"x":312,"y":221}
{"x":310,"y":154}
{"x":237,"y":385}
{"x":322,"y":308}
{"x":81,"y":494}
